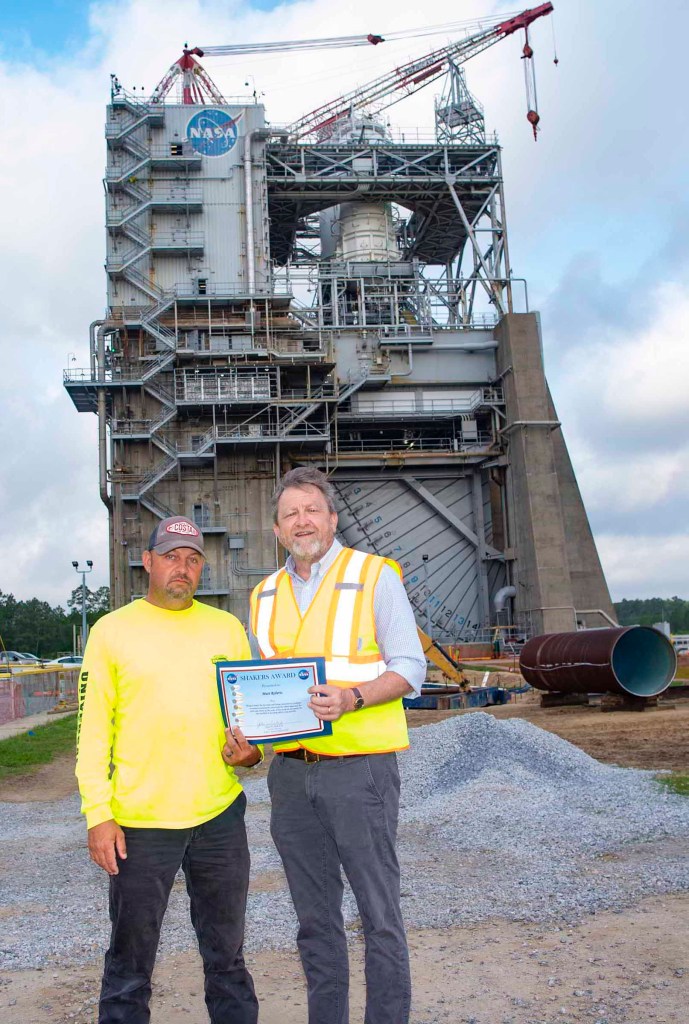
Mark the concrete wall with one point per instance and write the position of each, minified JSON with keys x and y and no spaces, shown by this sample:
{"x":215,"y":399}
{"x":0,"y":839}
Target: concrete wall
{"x":555,"y":566}
{"x":589,"y":588}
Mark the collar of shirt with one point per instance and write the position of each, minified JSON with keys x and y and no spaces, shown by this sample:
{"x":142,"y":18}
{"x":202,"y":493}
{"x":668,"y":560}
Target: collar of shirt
{"x":318,"y":569}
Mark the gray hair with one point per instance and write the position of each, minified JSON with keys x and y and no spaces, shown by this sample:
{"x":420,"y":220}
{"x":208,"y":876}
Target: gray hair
{"x":302,"y":477}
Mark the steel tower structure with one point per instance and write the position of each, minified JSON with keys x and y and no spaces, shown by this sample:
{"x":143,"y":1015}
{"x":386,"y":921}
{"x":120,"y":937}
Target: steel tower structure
{"x":340,"y":296}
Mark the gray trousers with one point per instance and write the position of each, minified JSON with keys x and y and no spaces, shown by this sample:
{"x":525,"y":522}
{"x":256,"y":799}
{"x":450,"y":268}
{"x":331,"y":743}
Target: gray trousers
{"x":343,"y":813}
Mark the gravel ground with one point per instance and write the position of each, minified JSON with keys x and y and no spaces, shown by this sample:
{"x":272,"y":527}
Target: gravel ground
{"x":499,"y":819}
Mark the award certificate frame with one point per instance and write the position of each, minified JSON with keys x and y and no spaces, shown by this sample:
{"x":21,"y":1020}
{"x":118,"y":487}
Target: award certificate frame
{"x":268,"y":700}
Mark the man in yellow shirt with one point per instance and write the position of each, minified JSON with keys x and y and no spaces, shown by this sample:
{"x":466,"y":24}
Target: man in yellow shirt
{"x":156,"y":775}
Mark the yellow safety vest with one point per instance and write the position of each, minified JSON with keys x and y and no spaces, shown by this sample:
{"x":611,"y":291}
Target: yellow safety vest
{"x":338,"y":625}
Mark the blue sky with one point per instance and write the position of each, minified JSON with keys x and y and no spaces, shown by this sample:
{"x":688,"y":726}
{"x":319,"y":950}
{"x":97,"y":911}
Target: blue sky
{"x":598,"y":215}
{"x":50,"y":27}
{"x":54,"y":27}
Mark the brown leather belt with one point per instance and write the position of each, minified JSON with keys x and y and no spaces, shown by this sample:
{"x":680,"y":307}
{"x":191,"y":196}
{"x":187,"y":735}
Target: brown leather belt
{"x":311,"y":758}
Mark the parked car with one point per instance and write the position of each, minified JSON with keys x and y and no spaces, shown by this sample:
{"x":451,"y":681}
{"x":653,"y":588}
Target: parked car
{"x":68,"y":661}
{"x":18,"y":660}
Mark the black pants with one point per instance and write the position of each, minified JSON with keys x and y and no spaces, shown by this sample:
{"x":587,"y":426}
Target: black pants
{"x":215,"y":860}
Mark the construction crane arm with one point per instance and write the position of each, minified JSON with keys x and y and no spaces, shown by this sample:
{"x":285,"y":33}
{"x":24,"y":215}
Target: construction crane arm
{"x":441,"y":658}
{"x":198,"y":88}
{"x":289,"y":45}
{"x":393,"y":86}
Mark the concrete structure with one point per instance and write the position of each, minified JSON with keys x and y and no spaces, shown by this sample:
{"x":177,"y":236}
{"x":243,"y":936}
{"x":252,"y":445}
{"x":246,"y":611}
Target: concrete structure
{"x":346,"y":303}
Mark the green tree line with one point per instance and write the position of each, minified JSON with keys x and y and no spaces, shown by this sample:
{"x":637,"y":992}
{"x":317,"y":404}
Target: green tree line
{"x":647,"y":611}
{"x":35,"y":627}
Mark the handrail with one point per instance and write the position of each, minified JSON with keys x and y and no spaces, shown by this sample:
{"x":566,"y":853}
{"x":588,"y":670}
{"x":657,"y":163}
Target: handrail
{"x":141,"y":484}
{"x":414,"y":404}
{"x":402,"y":446}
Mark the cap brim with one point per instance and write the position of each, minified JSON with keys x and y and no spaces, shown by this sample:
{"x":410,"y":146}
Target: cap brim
{"x":178,"y":542}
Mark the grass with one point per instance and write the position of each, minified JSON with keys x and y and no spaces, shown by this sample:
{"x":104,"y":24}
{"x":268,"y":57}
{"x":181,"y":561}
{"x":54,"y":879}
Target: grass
{"x":677,"y":782}
{"x":40,"y":745}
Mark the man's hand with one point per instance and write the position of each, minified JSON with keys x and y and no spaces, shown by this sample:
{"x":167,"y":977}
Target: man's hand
{"x":238,"y":752}
{"x":106,"y":840}
{"x":330,"y":702}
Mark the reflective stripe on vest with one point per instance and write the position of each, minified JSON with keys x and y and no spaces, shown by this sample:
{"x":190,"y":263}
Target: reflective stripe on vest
{"x":342,"y":644}
{"x":339,"y":625}
{"x":261,"y":621}
{"x":342,"y":640}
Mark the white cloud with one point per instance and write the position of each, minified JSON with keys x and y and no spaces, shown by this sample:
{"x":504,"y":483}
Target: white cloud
{"x":566,"y":196}
{"x":645,"y":565}
{"x":641,"y":375}
{"x":633,"y":481}
{"x":621,"y":395}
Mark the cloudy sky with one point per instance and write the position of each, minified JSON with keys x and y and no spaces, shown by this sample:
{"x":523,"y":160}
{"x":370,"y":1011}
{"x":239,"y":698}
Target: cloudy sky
{"x":598,"y":214}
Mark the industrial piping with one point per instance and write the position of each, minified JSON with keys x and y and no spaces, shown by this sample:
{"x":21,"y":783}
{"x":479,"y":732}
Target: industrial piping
{"x":500,"y":599}
{"x":102,"y":419}
{"x":636,"y":661}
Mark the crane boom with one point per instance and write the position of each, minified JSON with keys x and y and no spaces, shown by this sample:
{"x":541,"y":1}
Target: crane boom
{"x":393,"y":86}
{"x":284,"y":45}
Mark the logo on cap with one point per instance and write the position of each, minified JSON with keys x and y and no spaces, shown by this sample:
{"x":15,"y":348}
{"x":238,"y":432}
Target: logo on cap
{"x":184,"y":528}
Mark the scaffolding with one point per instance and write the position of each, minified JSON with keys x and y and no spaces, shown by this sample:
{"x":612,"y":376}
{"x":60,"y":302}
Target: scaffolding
{"x":342,"y":302}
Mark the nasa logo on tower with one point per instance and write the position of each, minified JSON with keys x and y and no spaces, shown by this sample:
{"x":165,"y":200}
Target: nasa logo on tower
{"x":212,"y":132}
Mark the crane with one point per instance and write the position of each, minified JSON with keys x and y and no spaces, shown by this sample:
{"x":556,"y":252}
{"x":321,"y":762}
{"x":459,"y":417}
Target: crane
{"x":388,"y":89}
{"x":197,"y":86}
{"x":393,"y":86}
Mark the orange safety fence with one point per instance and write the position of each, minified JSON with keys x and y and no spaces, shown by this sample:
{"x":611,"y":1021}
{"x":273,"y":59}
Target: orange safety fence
{"x":28,"y":693}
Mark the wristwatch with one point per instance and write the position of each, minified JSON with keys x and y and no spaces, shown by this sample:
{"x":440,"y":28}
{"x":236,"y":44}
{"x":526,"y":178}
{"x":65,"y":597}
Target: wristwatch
{"x":358,"y":699}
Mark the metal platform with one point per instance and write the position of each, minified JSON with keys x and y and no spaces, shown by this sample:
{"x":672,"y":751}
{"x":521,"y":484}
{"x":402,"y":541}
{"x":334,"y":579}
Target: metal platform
{"x":303,"y":179}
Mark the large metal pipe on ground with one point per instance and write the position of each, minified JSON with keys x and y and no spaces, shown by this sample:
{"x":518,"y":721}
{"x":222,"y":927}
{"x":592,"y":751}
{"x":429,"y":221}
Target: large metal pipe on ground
{"x":636,"y":661}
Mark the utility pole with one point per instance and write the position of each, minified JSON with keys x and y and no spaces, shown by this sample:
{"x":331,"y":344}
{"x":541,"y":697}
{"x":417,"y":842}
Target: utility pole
{"x":84,"y":623}
{"x":424,"y":559}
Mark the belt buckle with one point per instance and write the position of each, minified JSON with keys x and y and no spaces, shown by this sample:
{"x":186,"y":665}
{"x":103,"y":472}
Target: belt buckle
{"x":310,"y":757}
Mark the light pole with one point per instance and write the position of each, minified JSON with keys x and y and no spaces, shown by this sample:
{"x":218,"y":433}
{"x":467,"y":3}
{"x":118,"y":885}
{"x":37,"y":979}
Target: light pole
{"x":424,"y":559}
{"x":84,"y":623}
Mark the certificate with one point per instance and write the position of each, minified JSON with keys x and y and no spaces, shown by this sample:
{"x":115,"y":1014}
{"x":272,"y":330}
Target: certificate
{"x":268,"y":700}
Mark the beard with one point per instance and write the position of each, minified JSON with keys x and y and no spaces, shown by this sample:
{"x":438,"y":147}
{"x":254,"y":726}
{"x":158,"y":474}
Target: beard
{"x":179,"y":589}
{"x":308,"y":547}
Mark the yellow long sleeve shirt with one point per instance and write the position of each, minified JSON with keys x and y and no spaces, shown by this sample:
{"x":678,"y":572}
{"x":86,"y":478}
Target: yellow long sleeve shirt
{"x":149,"y":707}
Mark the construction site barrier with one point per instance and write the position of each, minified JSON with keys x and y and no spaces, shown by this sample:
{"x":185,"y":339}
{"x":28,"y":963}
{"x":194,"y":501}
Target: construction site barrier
{"x":28,"y":693}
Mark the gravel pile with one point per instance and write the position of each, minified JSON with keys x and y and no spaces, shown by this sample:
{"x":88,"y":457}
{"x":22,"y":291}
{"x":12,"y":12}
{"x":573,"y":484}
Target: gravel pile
{"x":498,"y":819}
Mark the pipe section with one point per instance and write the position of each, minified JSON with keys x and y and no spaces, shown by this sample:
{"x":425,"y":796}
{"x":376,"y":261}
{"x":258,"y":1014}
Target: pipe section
{"x":465,"y":346}
{"x":93,"y":344}
{"x":249,"y":205}
{"x":637,"y":661}
{"x":501,"y":597}
{"x":102,"y":420}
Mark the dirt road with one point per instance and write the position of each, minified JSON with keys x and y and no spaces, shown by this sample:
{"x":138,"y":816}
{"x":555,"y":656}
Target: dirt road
{"x":614,"y":968}
{"x":630,"y":968}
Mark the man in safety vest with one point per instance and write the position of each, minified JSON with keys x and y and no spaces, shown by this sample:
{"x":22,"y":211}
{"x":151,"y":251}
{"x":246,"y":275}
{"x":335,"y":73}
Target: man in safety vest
{"x":335,"y":799}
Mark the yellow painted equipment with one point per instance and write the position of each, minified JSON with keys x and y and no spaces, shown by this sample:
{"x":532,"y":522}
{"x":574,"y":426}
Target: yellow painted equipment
{"x":442,"y":660}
